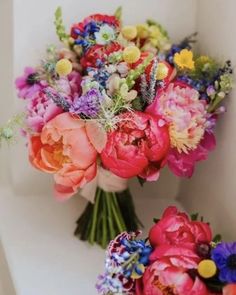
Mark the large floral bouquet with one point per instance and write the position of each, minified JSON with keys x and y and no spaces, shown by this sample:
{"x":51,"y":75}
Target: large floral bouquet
{"x":117,"y":102}
{"x":180,"y":257}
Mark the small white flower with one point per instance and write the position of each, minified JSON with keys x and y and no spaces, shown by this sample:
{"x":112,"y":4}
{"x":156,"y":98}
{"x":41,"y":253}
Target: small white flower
{"x":105,"y":35}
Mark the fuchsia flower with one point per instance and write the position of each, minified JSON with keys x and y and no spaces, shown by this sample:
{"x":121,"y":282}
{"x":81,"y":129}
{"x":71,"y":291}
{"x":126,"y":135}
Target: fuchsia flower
{"x":182,"y":164}
{"x":138,"y":147}
{"x":28,"y":84}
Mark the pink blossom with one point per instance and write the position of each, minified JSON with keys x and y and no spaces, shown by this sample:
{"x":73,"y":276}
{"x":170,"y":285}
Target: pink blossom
{"x":182,"y":164}
{"x":40,"y":110}
{"x":28,"y":84}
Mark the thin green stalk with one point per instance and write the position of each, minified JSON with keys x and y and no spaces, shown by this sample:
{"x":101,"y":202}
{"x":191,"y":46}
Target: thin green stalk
{"x":110,"y":219}
{"x":94,"y":218}
{"x":104,"y":221}
{"x":117,"y":215}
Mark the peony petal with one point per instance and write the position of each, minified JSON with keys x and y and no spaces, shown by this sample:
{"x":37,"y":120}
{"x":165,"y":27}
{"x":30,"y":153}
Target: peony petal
{"x":96,"y":134}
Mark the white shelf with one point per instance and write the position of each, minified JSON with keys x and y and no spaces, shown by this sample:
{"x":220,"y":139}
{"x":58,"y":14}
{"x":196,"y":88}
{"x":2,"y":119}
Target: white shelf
{"x":43,"y":255}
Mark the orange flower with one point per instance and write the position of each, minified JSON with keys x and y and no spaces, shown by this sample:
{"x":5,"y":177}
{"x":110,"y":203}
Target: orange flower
{"x":229,"y":289}
{"x":65,"y":148}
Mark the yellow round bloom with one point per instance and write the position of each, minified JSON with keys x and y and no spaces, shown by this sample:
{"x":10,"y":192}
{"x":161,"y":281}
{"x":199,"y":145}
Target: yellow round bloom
{"x":207,"y":268}
{"x":63,"y":67}
{"x":131,"y":54}
{"x":142,"y":31}
{"x":184,"y":59}
{"x":136,"y":276}
{"x":129,"y":32}
{"x":162,"y":71}
{"x":154,"y":32}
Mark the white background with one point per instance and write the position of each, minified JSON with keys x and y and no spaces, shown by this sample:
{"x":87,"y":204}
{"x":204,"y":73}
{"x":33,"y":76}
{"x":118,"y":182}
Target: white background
{"x":36,"y":231}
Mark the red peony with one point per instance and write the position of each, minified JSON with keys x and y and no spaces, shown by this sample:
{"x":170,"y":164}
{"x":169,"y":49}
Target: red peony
{"x":138,"y":147}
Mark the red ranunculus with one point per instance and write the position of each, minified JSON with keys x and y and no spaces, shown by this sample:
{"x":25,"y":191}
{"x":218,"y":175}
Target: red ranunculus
{"x":138,"y":147}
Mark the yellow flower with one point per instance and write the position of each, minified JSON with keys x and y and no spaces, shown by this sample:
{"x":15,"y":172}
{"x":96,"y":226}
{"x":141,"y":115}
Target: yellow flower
{"x":142,"y":31}
{"x":207,"y":268}
{"x":135,"y":275}
{"x":131,"y":54}
{"x":129,"y":32}
{"x":184,"y":59}
{"x":162,"y":71}
{"x":154,"y":32}
{"x":63,"y":67}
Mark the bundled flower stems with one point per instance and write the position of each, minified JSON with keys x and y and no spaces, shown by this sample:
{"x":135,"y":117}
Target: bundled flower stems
{"x":116,"y":102}
{"x":179,"y":257}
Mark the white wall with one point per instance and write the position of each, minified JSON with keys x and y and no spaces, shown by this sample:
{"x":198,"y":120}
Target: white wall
{"x":34,"y":30}
{"x":212,"y":190}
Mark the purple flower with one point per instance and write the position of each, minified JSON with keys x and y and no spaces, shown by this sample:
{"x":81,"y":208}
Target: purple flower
{"x":29,"y":84}
{"x":87,"y":104}
{"x":224,"y":256}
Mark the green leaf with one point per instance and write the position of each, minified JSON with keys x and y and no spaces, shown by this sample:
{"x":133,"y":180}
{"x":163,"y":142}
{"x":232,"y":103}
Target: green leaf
{"x":217,"y":238}
{"x":118,"y":13}
{"x":60,"y":28}
{"x":156,"y":220}
{"x":141,"y":181}
{"x":194,"y":216}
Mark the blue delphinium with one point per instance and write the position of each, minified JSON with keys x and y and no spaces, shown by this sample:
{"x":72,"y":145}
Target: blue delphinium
{"x":224,"y":256}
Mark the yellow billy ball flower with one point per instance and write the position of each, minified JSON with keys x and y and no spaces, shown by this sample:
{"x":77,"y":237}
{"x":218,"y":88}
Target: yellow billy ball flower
{"x":162,"y":71}
{"x":142,"y":31}
{"x":184,"y":59}
{"x":131,"y":54}
{"x":63,"y":67}
{"x":135,"y":275}
{"x":207,"y":268}
{"x":129,"y":32}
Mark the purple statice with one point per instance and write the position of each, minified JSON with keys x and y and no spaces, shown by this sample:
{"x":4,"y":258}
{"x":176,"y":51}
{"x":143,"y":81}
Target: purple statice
{"x":88,"y":104}
{"x":224,"y":256}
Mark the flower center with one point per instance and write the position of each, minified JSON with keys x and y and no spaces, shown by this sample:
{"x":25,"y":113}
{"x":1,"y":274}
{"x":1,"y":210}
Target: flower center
{"x":106,"y":36}
{"x":231,"y":261}
{"x":32,"y":79}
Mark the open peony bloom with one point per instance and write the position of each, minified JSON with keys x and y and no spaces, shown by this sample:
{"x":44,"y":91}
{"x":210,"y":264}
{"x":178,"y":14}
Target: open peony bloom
{"x":65,"y":149}
{"x":40,"y":110}
{"x":138,"y":147}
{"x":179,"y":105}
{"x":162,"y":278}
{"x":175,"y":228}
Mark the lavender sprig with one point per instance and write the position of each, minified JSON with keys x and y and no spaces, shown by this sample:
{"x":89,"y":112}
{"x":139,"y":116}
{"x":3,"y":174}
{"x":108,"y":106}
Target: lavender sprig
{"x":58,"y":99}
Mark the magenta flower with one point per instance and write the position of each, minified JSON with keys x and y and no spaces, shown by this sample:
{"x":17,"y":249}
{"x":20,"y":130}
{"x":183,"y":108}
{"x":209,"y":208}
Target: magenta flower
{"x":40,"y":110}
{"x":182,"y":164}
{"x":29,"y":84}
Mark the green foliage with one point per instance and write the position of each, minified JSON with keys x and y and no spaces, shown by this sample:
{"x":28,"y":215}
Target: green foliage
{"x":118,"y":13}
{"x":194,"y":216}
{"x":60,"y":28}
{"x":217,"y":238}
{"x":151,"y":22}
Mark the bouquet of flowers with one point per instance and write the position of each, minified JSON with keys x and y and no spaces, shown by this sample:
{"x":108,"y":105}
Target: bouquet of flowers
{"x":117,"y":102}
{"x":180,"y":257}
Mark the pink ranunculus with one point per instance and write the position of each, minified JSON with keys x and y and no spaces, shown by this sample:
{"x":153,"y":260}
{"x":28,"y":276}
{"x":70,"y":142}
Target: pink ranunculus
{"x":65,"y":149}
{"x":40,"y":110}
{"x":175,"y":228}
{"x":28,"y":85}
{"x":182,"y":164}
{"x":138,"y":147}
{"x":161,"y":278}
{"x":70,"y":86}
{"x":229,"y":289}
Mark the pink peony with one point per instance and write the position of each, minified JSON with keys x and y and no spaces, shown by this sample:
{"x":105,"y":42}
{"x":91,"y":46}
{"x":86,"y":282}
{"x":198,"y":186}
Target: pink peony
{"x":28,"y":85}
{"x":182,"y":164}
{"x":40,"y":110}
{"x":180,"y":107}
{"x":175,"y":228}
{"x":65,"y":149}
{"x":162,"y":278}
{"x":70,"y":85}
{"x":138,"y":147}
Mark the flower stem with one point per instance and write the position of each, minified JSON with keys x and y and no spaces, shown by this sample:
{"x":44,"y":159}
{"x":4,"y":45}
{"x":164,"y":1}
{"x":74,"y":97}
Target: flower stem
{"x":95,"y":214}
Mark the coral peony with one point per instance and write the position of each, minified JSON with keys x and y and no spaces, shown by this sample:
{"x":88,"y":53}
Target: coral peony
{"x":185,"y":114}
{"x":229,"y":289}
{"x":138,"y":147}
{"x":175,"y":228}
{"x":65,"y":149}
{"x":182,"y":164}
